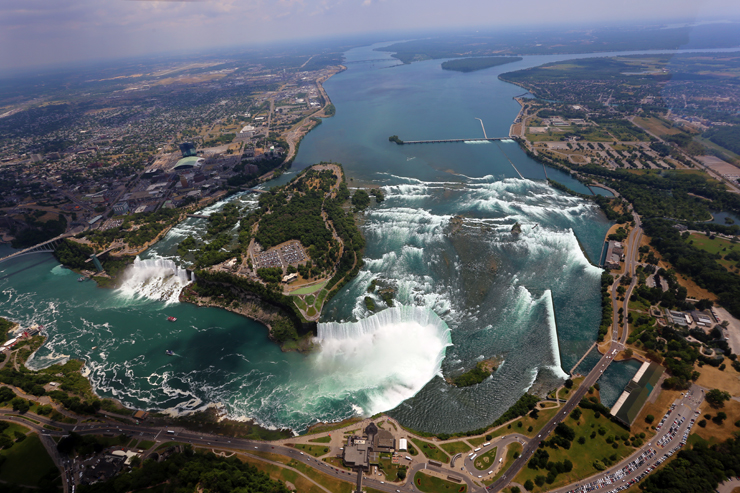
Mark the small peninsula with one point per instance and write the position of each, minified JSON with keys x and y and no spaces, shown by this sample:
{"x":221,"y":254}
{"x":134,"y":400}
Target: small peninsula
{"x":477,"y":63}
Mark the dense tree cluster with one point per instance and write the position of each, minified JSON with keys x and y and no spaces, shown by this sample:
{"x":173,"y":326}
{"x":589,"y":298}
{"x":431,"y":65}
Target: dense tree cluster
{"x":726,"y":136}
{"x":477,"y":63}
{"x":698,"y":264}
{"x":189,"y":471}
{"x":473,"y":376}
{"x":697,"y":470}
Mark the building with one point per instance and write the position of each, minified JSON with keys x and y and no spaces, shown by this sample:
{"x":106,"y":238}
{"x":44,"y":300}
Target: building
{"x":678,"y":318}
{"x":188,"y":163}
{"x":188,"y":149}
{"x":636,"y":393}
{"x":613,"y":255}
{"x":290,"y":277}
{"x":384,"y":442}
{"x":120,"y":208}
{"x":361,"y":451}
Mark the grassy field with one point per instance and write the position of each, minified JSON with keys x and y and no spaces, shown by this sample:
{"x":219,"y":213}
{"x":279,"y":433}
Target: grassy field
{"x":26,"y":462}
{"x":582,"y":456}
{"x":328,"y":482}
{"x":431,"y":484}
{"x":453,"y":448}
{"x":714,"y":378}
{"x":281,"y":474}
{"x":716,"y":433}
{"x":476,"y":441}
{"x":656,"y":126}
{"x":315,"y":450}
{"x":714,"y":246}
{"x":485,"y":461}
{"x":325,"y":439}
{"x":431,"y":451}
{"x":389,"y":468}
{"x":146,"y":444}
{"x":309,"y":289}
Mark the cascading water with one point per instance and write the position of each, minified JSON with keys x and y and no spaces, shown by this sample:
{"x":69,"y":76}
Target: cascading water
{"x":388,"y":357}
{"x":154,"y":278}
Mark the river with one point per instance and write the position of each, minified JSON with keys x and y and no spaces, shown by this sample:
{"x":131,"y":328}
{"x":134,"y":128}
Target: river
{"x":467,"y":287}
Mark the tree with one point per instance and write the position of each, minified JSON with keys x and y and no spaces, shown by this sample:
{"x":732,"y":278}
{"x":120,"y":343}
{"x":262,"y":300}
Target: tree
{"x":528,"y":485}
{"x":569,"y":383}
{"x":401,"y":474}
{"x":515,"y":489}
{"x":20,"y":405}
{"x":649,"y":418}
{"x":716,"y":398}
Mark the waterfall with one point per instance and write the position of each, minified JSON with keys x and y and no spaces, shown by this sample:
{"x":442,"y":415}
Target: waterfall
{"x":155,"y":278}
{"x":388,"y":357}
{"x":557,"y":366}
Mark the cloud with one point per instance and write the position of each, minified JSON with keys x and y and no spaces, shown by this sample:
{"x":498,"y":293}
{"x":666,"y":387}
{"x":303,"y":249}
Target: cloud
{"x":45,"y":31}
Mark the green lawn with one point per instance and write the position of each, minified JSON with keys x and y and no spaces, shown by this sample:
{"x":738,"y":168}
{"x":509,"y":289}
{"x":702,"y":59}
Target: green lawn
{"x":13,"y":427}
{"x":325,"y":439}
{"x":26,"y":462}
{"x":390,"y":469}
{"x":300,"y":303}
{"x":485,"y":461}
{"x":309,"y":289}
{"x":328,"y":482}
{"x":315,"y":450}
{"x":477,"y":441}
{"x":582,"y":456}
{"x":453,"y":448}
{"x":431,"y":484}
{"x":146,"y":444}
{"x":310,"y":299}
{"x":431,"y":451}
{"x":311,"y":312}
{"x":717,"y":245}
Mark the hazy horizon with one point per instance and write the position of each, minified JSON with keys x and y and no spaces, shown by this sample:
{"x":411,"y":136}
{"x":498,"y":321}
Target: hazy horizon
{"x":37,"y":33}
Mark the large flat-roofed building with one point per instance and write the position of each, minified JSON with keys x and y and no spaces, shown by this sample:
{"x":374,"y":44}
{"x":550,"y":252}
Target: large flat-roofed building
{"x":636,"y":392}
{"x":187,"y":149}
{"x":362,"y":451}
{"x":613,"y":255}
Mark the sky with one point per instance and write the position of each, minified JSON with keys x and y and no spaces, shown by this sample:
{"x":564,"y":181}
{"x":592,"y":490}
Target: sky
{"x":41,"y":32}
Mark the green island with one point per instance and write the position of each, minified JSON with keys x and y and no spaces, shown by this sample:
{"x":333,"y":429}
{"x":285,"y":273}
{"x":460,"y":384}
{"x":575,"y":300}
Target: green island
{"x":474,"y":376}
{"x":394,"y":138}
{"x":478,"y":63}
{"x":305,"y":218}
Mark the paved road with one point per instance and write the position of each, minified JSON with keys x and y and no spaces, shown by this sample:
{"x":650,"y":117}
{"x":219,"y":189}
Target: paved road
{"x":575,"y":398}
{"x":622,"y":474}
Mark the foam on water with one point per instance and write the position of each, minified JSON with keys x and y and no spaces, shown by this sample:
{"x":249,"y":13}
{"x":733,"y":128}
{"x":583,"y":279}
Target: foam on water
{"x":156,"y":279}
{"x":389,"y":356}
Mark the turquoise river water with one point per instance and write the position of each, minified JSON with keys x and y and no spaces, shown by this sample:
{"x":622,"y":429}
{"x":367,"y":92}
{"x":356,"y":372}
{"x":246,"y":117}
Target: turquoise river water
{"x":467,"y":288}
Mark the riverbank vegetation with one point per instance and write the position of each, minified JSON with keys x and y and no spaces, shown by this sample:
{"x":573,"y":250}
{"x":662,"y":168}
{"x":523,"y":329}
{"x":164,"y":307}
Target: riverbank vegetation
{"x":191,"y":471}
{"x":477,"y":63}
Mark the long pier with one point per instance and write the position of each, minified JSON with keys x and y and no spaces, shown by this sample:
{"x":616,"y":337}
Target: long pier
{"x":441,"y":141}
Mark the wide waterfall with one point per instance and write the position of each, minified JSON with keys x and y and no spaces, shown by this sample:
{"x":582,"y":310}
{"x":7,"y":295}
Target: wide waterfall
{"x":388,"y":356}
{"x":154,"y":278}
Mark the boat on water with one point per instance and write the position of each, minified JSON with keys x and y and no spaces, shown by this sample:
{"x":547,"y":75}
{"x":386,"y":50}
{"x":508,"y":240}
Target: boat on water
{"x":95,"y":347}
{"x":80,"y":279}
{"x":169,"y":352}
{"x":171,"y":319}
